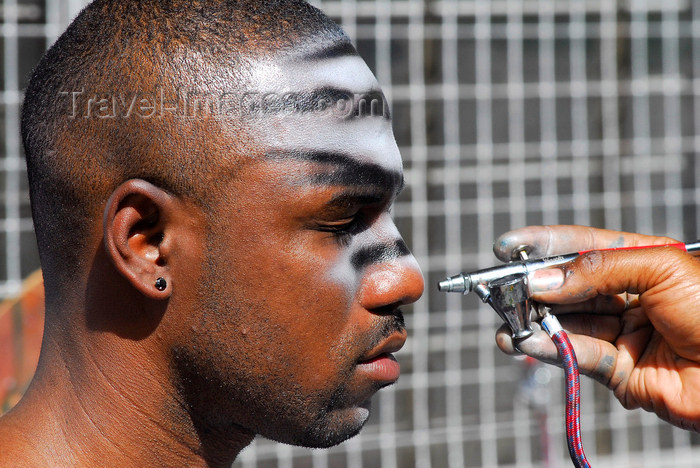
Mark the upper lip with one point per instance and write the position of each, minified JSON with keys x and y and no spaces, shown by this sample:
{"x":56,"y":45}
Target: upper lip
{"x":391,"y":344}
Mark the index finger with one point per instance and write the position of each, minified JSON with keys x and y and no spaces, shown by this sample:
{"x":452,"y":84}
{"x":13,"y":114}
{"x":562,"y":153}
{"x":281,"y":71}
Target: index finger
{"x":546,"y":241}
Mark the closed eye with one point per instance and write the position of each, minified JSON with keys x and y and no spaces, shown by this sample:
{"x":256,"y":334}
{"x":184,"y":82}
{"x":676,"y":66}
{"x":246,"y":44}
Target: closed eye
{"x":351,"y":212}
{"x":343,"y":228}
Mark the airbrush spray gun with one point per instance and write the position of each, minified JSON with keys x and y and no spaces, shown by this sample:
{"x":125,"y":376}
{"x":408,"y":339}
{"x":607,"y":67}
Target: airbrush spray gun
{"x":505,"y":289}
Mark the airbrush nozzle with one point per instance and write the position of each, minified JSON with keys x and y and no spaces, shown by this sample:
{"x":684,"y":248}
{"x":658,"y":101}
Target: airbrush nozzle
{"x":456,"y":283}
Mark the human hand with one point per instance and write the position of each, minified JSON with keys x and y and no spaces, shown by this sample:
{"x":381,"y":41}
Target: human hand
{"x":646,"y":349}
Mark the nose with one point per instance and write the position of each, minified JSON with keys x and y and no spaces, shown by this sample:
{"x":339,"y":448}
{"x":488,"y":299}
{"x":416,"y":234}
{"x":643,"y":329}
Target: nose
{"x":392,"y":283}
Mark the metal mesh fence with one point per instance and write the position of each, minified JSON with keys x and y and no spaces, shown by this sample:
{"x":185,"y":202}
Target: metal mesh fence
{"x":507,"y":112}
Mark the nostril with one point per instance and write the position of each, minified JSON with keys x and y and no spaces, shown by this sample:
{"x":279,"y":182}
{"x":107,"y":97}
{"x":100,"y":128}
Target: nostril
{"x":392,"y":309}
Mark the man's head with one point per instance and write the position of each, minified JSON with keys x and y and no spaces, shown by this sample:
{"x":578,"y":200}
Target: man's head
{"x":243,"y":152}
{"x":121,"y":93}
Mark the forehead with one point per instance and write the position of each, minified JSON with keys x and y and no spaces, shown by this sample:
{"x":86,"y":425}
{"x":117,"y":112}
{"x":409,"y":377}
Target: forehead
{"x":322,"y":101}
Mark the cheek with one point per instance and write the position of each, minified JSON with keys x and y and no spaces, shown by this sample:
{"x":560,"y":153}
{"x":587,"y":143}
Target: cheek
{"x":321,"y":274}
{"x":319,"y":320}
{"x":286,"y":301}
{"x":319,"y":311}
{"x":297,"y":305}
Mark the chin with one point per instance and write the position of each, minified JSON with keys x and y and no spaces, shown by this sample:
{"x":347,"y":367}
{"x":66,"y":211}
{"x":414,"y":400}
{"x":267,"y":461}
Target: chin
{"x":334,"y":428}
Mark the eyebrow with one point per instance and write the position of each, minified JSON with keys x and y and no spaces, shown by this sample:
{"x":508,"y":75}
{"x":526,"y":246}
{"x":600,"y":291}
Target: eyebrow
{"x":343,"y":170}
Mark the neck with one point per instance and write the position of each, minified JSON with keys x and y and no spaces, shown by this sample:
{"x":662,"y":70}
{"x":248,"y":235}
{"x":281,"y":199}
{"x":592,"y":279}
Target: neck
{"x":111,"y":400}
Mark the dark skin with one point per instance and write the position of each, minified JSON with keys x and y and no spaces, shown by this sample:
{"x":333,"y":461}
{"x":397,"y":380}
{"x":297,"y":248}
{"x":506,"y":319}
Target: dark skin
{"x":631,"y":315}
{"x":281,"y":310}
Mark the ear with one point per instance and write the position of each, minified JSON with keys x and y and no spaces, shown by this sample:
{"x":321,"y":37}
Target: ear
{"x":137,"y":235}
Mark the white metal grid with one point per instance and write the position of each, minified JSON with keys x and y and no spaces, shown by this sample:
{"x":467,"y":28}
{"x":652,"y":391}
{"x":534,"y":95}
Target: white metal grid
{"x":508,"y":112}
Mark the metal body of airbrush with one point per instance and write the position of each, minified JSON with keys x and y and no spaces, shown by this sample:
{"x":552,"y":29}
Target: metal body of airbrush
{"x":504,"y":287}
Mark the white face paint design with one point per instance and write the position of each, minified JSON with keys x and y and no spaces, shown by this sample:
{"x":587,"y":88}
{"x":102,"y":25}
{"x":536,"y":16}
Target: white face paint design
{"x":366,"y":138}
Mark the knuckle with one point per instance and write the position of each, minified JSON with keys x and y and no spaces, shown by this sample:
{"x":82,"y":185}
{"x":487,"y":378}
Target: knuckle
{"x":626,"y":399}
{"x":589,"y":263}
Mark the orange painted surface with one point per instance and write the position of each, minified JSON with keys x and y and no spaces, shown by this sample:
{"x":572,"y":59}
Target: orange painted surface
{"x":21,"y":328}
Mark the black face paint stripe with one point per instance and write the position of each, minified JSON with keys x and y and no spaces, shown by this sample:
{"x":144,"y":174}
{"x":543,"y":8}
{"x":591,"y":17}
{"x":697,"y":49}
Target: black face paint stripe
{"x":337,"y":102}
{"x":379,"y":253}
{"x":343,"y":170}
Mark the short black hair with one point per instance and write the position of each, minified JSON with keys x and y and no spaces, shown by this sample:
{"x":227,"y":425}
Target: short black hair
{"x":123,"y":49}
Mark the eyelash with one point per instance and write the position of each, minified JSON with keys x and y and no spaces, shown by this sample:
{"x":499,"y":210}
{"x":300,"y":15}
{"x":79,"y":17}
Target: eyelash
{"x":342,"y":231}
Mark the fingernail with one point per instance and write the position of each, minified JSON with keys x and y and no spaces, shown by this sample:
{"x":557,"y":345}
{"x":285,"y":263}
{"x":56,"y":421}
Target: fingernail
{"x":546,"y":280}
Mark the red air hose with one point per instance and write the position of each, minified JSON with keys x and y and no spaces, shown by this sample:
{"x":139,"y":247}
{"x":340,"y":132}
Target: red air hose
{"x":573,"y":390}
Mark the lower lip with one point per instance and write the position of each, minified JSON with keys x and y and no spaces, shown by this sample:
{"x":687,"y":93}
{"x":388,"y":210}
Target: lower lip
{"x":383,"y":368}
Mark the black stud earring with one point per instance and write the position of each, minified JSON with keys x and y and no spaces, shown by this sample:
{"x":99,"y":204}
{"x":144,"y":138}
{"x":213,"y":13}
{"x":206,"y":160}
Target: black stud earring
{"x":161,"y":284}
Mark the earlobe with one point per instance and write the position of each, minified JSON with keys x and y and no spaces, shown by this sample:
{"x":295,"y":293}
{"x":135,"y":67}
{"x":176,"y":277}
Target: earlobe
{"x":136,"y":236}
